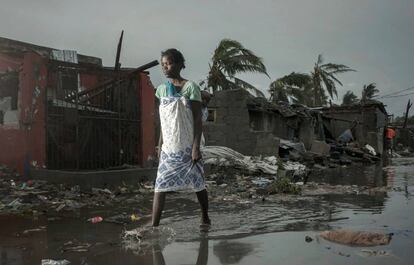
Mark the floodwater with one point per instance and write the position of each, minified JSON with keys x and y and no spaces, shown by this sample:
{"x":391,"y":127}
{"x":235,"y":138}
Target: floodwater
{"x":272,"y":231}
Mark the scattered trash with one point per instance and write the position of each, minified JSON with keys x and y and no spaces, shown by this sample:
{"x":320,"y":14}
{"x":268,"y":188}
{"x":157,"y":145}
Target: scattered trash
{"x":75,"y":247}
{"x":343,"y":254}
{"x":356,"y":238}
{"x":261,"y":182}
{"x":134,"y":217}
{"x":224,"y":156}
{"x":370,"y":149}
{"x":374,"y":253}
{"x":96,"y":219}
{"x":41,"y":228}
{"x":308,"y":239}
{"x":105,"y":191}
{"x":15,"y":204}
{"x":54,"y":262}
{"x":60,"y":207}
{"x":283,"y":185}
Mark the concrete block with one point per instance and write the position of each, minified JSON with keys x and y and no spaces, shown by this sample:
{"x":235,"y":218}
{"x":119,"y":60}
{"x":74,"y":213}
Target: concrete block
{"x":320,"y":147}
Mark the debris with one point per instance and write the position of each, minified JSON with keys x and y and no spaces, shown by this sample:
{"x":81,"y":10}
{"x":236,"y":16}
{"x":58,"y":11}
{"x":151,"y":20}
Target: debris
{"x":261,"y":182}
{"x":308,"y":239}
{"x":346,"y":137}
{"x":73,"y":247}
{"x":286,"y":144}
{"x":105,"y":191}
{"x":352,"y":151}
{"x":356,"y":238}
{"x":41,"y":228}
{"x":15,"y":204}
{"x":96,"y":219}
{"x":134,"y":217}
{"x":320,"y":147}
{"x":54,"y":262}
{"x":374,"y":253}
{"x":224,"y":156}
{"x":370,"y":150}
{"x":283,"y":185}
{"x":60,"y":207}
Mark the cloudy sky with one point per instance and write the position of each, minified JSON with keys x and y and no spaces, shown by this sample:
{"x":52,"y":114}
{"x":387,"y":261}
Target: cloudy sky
{"x":375,"y":37}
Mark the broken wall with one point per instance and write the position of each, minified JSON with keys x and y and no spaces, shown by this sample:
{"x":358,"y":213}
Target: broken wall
{"x":231,"y":125}
{"x":22,"y":141}
{"x":371,"y":122}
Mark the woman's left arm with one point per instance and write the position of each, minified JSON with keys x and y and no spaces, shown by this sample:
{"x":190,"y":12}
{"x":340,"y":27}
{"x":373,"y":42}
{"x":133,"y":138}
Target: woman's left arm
{"x":196,"y":109}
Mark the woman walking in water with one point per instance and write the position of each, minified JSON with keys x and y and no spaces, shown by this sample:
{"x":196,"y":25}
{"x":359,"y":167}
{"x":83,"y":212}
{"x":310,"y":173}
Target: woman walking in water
{"x":180,"y":166}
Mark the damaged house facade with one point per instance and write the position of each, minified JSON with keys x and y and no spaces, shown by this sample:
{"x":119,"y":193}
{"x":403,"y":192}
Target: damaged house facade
{"x":368,"y":122}
{"x":254,"y":126}
{"x":65,"y":111}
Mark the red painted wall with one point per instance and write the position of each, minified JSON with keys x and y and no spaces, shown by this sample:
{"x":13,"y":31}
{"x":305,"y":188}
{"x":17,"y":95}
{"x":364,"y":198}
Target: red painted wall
{"x":25,"y":143}
{"x":9,"y":63}
{"x":147,"y":95}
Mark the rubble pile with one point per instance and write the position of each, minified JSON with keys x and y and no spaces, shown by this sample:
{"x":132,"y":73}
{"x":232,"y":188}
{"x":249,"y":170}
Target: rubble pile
{"x":38,"y":197}
{"x":328,"y":155}
{"x":222,"y":156}
{"x":232,"y":176}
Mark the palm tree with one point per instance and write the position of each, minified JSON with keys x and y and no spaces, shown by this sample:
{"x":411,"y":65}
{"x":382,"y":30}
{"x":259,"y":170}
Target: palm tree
{"x":369,"y":92}
{"x":349,"y":98}
{"x":296,"y":86}
{"x":229,"y":59}
{"x":324,"y":78}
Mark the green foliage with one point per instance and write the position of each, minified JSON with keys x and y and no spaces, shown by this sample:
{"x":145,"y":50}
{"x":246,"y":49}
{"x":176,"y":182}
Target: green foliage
{"x":295,"y":86}
{"x":369,"y":92}
{"x":309,"y":89}
{"x":283,"y":185}
{"x":324,"y":78}
{"x":349,"y":98}
{"x":229,"y":59}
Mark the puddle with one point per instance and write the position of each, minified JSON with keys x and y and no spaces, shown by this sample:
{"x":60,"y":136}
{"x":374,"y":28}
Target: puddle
{"x":257,"y":232}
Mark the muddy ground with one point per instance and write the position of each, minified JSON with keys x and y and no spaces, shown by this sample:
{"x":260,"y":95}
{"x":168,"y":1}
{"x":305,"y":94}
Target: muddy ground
{"x":253,"y":222}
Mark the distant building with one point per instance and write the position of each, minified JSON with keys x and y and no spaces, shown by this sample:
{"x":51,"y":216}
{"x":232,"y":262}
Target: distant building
{"x":254,"y":126}
{"x":370,"y":121}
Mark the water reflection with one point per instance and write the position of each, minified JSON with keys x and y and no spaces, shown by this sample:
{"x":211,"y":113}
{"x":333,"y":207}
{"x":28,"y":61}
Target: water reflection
{"x":352,"y":175}
{"x":232,"y":252}
{"x":202,"y":258}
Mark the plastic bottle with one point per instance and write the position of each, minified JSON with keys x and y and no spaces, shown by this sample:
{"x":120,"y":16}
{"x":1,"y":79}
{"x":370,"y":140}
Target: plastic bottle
{"x":95,"y":219}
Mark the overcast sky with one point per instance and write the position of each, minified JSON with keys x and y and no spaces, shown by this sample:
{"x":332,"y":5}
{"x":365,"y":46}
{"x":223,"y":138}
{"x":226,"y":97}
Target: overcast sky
{"x":375,"y":37}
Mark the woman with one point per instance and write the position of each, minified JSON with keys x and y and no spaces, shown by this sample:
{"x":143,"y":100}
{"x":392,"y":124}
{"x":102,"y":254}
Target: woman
{"x":180,"y":166}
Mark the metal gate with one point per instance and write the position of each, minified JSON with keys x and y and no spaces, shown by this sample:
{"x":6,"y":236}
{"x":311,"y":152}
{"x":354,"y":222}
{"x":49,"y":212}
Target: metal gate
{"x":91,"y":129}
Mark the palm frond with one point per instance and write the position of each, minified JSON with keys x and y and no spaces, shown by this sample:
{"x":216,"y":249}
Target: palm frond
{"x":244,"y":85}
{"x":349,"y":98}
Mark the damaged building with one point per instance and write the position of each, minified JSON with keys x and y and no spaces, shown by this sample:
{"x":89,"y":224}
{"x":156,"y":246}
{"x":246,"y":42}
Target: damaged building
{"x":367,"y":123}
{"x":65,"y":111}
{"x":253,"y":126}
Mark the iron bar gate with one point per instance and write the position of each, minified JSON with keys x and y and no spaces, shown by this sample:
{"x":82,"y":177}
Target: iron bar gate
{"x":91,"y":129}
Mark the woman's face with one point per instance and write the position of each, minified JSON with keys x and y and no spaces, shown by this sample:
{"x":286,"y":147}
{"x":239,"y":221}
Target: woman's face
{"x":169,"y":67}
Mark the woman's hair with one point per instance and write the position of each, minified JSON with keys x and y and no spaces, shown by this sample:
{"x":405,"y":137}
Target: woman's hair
{"x":175,"y":55}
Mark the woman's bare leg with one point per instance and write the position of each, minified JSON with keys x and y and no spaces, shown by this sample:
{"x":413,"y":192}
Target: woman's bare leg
{"x":202,"y":197}
{"x":157,"y":207}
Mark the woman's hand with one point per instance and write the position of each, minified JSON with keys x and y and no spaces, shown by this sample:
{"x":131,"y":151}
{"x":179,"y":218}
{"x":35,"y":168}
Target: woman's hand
{"x":196,"y":154}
